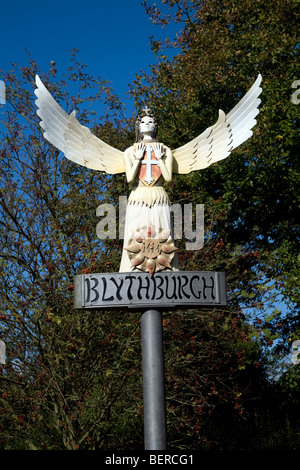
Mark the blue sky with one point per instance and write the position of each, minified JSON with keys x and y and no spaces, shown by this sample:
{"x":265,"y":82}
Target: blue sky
{"x":113,"y":37}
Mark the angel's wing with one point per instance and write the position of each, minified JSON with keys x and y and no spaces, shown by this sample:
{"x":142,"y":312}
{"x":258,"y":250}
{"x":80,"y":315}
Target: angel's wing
{"x":75,"y":140}
{"x":217,"y":142}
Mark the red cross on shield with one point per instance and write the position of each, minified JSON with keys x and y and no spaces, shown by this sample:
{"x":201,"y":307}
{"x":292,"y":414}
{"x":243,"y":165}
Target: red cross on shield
{"x":149,"y":169}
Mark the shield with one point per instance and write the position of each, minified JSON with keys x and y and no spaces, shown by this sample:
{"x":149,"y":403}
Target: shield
{"x":149,"y":170}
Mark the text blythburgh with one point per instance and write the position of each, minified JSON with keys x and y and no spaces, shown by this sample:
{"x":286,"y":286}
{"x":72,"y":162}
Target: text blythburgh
{"x":137,"y":289}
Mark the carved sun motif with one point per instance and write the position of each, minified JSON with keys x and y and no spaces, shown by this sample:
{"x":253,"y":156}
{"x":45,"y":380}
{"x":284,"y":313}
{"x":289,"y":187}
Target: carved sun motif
{"x":151,"y":249}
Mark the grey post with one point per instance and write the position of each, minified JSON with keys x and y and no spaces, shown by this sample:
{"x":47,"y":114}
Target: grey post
{"x":153,"y":381}
{"x":163,"y":290}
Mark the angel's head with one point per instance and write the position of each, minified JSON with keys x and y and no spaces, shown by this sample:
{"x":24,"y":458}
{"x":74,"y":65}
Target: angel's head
{"x":146,"y":125}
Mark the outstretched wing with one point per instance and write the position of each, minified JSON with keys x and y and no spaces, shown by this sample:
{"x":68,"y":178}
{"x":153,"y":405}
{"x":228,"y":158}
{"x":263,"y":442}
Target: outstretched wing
{"x":217,"y":142}
{"x":75,"y":140}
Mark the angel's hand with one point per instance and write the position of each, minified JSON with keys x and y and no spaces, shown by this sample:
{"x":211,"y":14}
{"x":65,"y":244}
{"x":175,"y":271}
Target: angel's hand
{"x":159,"y":151}
{"x":139,"y":152}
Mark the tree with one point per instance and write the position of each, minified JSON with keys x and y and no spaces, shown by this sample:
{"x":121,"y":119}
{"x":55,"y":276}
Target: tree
{"x":73,"y":380}
{"x":56,"y":387}
{"x":251,"y":199}
{"x":222,"y":48}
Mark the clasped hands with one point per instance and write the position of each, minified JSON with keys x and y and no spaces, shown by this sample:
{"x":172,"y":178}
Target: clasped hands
{"x":158,"y":151}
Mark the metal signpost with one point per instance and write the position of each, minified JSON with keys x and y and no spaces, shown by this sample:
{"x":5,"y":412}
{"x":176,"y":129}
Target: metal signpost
{"x":151,"y":294}
{"x":155,"y":434}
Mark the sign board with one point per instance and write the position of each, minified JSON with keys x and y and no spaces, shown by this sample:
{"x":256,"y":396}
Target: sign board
{"x":139,"y":290}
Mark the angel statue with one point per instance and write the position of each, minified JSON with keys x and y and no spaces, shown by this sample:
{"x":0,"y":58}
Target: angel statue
{"x":148,"y":236}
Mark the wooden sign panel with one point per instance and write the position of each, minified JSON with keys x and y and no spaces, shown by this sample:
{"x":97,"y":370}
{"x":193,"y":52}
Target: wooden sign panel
{"x":137,"y":290}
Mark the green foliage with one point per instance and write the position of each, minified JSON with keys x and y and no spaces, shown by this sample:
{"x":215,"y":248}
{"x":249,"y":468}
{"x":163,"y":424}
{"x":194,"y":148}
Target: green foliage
{"x":57,"y":388}
{"x":221,"y":49}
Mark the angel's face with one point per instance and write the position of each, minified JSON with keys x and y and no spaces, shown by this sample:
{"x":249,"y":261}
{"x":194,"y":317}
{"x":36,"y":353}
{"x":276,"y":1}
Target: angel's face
{"x":147,"y":125}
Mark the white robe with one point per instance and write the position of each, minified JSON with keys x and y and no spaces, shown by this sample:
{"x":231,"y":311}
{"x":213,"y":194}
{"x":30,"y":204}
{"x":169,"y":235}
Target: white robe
{"x":147,"y":206}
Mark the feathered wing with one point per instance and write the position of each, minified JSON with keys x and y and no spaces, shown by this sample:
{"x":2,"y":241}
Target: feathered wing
{"x":217,"y":142}
{"x":75,"y":140}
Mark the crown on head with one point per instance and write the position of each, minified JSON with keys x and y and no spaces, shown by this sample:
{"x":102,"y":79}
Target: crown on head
{"x":146,"y":110}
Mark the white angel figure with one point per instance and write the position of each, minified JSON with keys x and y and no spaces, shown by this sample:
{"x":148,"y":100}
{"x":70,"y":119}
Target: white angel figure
{"x":148,"y":243}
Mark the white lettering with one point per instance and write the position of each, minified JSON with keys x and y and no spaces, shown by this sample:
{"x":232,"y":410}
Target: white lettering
{"x":175,"y":209}
{"x":296,"y":352}
{"x":106,"y":228}
{"x":170,"y":459}
{"x":198,"y":234}
{"x":115,"y":460}
{"x":2,"y":92}
{"x":294,"y":97}
{"x":2,"y":352}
